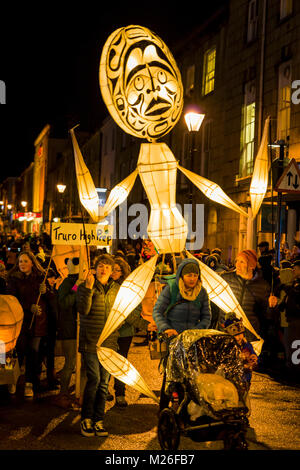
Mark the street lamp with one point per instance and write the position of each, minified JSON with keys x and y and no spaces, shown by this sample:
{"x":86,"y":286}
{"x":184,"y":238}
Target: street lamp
{"x":24,"y":204}
{"x":281,"y":145}
{"x":9,"y":206}
{"x":61,"y":188}
{"x":193,"y":121}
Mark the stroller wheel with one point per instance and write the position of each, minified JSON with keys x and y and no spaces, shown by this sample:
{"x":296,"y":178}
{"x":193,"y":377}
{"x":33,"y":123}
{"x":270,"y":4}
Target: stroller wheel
{"x":168,"y":430}
{"x":235,"y":441}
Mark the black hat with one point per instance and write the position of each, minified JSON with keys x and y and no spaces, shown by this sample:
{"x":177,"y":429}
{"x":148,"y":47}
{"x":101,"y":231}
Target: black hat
{"x":190,"y":268}
{"x":261,"y":244}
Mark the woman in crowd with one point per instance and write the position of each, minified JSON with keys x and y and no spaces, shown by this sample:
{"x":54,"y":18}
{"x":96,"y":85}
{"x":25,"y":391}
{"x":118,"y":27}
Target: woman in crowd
{"x":26,"y":282}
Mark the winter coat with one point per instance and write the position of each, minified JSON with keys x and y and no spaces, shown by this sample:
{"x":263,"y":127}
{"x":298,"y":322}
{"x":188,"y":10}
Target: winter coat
{"x":293,"y":302}
{"x":26,"y":290}
{"x":186,"y":315}
{"x":94,"y":306}
{"x":67,"y":314}
{"x":252,"y":295}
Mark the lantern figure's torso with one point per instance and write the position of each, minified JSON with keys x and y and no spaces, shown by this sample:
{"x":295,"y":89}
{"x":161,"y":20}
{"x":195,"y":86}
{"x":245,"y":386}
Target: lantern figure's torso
{"x":157,"y":168}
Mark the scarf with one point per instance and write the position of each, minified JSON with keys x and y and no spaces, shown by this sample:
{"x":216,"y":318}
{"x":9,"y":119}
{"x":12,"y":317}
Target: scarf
{"x":189,"y":293}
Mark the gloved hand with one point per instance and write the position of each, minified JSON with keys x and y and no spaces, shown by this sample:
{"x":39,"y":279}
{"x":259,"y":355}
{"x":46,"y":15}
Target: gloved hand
{"x":36,"y":309}
{"x":43,"y":288}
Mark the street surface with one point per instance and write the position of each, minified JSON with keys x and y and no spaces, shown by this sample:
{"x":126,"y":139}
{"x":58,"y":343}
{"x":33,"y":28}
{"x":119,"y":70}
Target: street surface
{"x":40,"y":425}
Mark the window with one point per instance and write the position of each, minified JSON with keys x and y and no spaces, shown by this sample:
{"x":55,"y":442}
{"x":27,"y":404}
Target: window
{"x":286,"y":8}
{"x":209,"y":71}
{"x":190,"y":80}
{"x":284,"y":101}
{"x":247,"y":131}
{"x":252,"y":20}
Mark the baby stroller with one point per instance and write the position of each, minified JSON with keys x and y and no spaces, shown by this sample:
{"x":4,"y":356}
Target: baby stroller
{"x":206,"y":390}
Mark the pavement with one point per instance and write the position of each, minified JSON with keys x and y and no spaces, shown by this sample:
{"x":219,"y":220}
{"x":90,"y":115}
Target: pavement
{"x":38,"y":424}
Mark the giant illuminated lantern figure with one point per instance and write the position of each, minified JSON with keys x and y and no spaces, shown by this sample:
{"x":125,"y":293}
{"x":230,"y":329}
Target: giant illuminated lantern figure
{"x":142,"y":89}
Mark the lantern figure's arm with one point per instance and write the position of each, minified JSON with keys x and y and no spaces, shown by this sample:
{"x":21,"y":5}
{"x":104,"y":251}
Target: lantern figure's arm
{"x":87,"y":192}
{"x":260,"y":176}
{"x":219,"y":292}
{"x":129,"y":296}
{"x":212,"y":190}
{"x":119,"y":193}
{"x":123,"y":370}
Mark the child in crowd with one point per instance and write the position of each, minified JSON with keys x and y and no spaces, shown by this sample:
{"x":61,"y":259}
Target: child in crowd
{"x":235,"y":327}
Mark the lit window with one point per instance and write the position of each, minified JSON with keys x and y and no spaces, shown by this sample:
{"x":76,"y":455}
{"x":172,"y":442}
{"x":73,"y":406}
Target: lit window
{"x":286,"y":8}
{"x":252,"y":20}
{"x":209,"y":71}
{"x":248,"y":132}
{"x":284,"y":101}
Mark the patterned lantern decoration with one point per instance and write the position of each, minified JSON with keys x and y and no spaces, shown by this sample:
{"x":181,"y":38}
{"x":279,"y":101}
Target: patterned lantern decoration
{"x":259,"y":181}
{"x":11,"y":318}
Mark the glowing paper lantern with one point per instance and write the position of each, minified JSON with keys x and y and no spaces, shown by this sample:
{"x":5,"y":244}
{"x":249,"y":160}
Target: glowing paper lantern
{"x":259,"y":181}
{"x":129,"y":296}
{"x":87,"y":192}
{"x":140,"y":82}
{"x":157,"y":167}
{"x":11,"y":318}
{"x":119,"y":193}
{"x":221,"y":294}
{"x":120,"y":367}
{"x":212,"y":190}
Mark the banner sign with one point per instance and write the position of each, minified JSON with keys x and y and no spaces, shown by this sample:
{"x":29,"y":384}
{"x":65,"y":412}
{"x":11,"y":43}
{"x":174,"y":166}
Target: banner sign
{"x":77,"y":234}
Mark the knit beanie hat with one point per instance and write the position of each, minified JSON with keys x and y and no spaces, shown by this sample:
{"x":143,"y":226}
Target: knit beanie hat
{"x":250,"y":258}
{"x":190,"y":268}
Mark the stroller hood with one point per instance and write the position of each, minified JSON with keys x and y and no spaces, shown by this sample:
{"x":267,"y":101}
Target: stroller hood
{"x":195,"y":352}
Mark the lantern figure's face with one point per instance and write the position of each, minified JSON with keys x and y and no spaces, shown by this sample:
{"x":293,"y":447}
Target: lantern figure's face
{"x":140,"y":83}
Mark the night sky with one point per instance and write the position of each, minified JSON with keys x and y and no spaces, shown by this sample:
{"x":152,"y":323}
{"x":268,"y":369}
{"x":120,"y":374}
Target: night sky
{"x":49,"y":60}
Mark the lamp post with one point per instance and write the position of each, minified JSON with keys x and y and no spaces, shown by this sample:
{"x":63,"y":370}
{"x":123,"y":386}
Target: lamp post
{"x":193,"y":121}
{"x":281,"y":144}
{"x":61,"y":189}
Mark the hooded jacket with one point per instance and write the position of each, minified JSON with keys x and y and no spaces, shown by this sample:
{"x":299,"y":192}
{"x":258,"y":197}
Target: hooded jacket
{"x":186,"y":315}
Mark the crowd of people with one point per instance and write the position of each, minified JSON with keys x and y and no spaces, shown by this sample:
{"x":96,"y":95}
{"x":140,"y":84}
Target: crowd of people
{"x":268,"y":295}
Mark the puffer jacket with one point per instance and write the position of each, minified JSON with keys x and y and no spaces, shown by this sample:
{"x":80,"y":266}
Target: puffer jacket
{"x":94,"y":306}
{"x":252,"y":295}
{"x":186,"y":315}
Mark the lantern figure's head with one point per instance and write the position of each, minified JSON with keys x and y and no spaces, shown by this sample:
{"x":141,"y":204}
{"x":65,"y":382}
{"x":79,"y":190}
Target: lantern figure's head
{"x":140,"y":83}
